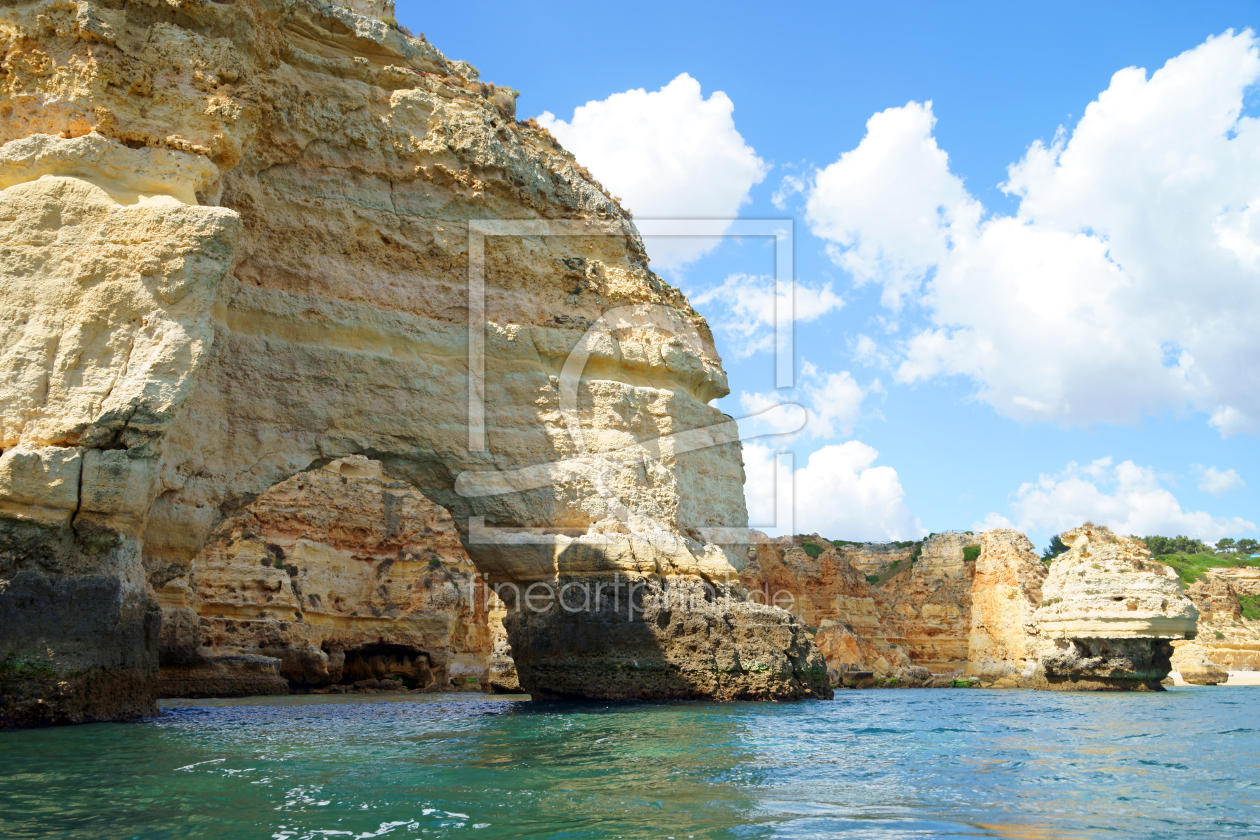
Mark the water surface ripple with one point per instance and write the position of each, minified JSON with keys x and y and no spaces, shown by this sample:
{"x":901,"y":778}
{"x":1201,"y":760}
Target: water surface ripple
{"x":873,"y":764}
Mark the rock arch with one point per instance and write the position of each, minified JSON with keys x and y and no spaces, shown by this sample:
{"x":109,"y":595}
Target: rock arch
{"x":265,"y":269}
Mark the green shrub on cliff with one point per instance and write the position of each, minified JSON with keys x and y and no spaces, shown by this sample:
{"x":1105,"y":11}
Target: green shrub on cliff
{"x":1250,"y":606}
{"x":813,"y":549}
{"x":1192,"y":567}
{"x":970,"y":553}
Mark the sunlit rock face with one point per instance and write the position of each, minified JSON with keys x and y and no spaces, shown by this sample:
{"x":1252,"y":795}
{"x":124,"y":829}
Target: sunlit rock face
{"x":928,"y":612}
{"x":340,"y":573}
{"x":1226,"y":641}
{"x":237,"y":248}
{"x":1005,"y":594}
{"x":1108,"y":614}
{"x":818,"y":583}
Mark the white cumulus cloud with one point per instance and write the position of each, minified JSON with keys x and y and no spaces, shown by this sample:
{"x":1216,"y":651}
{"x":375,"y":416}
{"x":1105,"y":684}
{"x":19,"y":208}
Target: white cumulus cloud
{"x":669,"y":154}
{"x":839,"y":493}
{"x":743,"y":308}
{"x":1219,"y":482}
{"x":832,"y":401}
{"x":1125,"y":497}
{"x":1127,"y":282}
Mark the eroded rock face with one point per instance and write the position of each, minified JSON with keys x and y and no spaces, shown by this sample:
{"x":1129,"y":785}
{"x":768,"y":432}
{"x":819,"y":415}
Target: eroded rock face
{"x":928,"y":613}
{"x":874,"y":558}
{"x":1005,"y":594}
{"x":1195,"y":665}
{"x":834,"y":599}
{"x":1226,"y":641}
{"x":340,"y":574}
{"x":110,"y":277}
{"x":653,"y":639}
{"x":1109,"y":613}
{"x":245,"y":252}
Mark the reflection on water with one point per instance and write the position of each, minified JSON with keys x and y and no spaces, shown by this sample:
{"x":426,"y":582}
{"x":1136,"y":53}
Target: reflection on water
{"x":870,"y":764}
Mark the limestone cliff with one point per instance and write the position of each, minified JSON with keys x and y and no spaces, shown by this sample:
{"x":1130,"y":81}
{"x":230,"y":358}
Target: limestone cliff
{"x":817,"y":582}
{"x":1108,"y":614}
{"x":243,"y":240}
{"x":1005,"y":594}
{"x":875,"y":558}
{"x":1226,"y":641}
{"x":341,"y":573}
{"x":928,"y":606}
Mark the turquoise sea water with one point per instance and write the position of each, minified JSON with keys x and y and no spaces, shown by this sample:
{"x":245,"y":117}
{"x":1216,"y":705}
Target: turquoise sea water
{"x":871,"y":764}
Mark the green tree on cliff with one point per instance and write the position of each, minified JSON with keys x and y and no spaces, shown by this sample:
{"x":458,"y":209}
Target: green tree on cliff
{"x":1180,"y":544}
{"x":1053,"y":550}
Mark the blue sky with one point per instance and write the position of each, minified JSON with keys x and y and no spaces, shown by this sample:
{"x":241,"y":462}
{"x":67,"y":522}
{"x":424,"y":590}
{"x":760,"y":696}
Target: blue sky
{"x":1085,"y":344}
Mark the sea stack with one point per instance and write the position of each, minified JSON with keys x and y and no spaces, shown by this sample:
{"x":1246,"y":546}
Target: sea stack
{"x":1108,"y":615}
{"x":1005,"y":593}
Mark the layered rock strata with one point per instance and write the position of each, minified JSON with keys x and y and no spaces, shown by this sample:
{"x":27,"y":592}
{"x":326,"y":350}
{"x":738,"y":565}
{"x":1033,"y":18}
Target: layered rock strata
{"x":817,"y":582}
{"x":340,"y":574}
{"x":244,"y":240}
{"x":928,"y":603}
{"x":875,"y":558}
{"x":1005,"y":594}
{"x":1108,"y":619}
{"x":1109,"y":614}
{"x":1226,"y":641}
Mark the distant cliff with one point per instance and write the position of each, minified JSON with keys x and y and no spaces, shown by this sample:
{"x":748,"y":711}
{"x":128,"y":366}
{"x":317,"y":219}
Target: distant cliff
{"x":983,"y":609}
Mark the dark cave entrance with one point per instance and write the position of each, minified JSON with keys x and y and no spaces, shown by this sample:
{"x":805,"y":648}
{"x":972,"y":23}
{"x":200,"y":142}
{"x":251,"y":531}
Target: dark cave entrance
{"x":380,"y":661}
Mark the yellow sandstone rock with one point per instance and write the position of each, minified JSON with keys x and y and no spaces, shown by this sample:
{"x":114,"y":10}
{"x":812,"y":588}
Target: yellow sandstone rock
{"x":1108,"y":614}
{"x":244,"y":240}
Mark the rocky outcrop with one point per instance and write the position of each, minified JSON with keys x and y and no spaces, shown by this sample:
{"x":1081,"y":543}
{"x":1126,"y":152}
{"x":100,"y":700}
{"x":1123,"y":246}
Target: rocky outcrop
{"x":243,"y":240}
{"x":500,"y":675}
{"x":875,"y":558}
{"x":1194,"y":663}
{"x":1226,"y":641}
{"x":928,"y":603}
{"x":652,"y":639}
{"x":1005,"y":594}
{"x":816,"y":581}
{"x":1108,"y":615}
{"x":340,"y":574}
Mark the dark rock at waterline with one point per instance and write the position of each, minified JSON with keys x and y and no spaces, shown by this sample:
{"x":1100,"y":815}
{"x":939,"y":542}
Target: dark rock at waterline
{"x":679,"y":641}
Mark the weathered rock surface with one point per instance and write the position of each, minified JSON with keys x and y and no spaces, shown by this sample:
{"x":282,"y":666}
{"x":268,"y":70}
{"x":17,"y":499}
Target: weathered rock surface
{"x":1005,"y":594}
{"x":230,"y":675}
{"x":237,"y":247}
{"x":1195,"y":665}
{"x":500,"y":675}
{"x":828,"y":594}
{"x":875,"y":558}
{"x":1108,"y":615}
{"x":647,"y":639}
{"x":341,"y":574}
{"x":1108,"y":620}
{"x":928,"y":612}
{"x":1226,"y":641}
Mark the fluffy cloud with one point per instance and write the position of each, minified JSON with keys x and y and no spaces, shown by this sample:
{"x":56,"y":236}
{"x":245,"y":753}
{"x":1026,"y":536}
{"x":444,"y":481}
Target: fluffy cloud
{"x":833,"y":402}
{"x":1126,"y":282}
{"x":1126,"y":498}
{"x":838,"y":493}
{"x":744,"y":307}
{"x":669,"y":154}
{"x":1219,"y":482}
{"x":888,"y":205}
